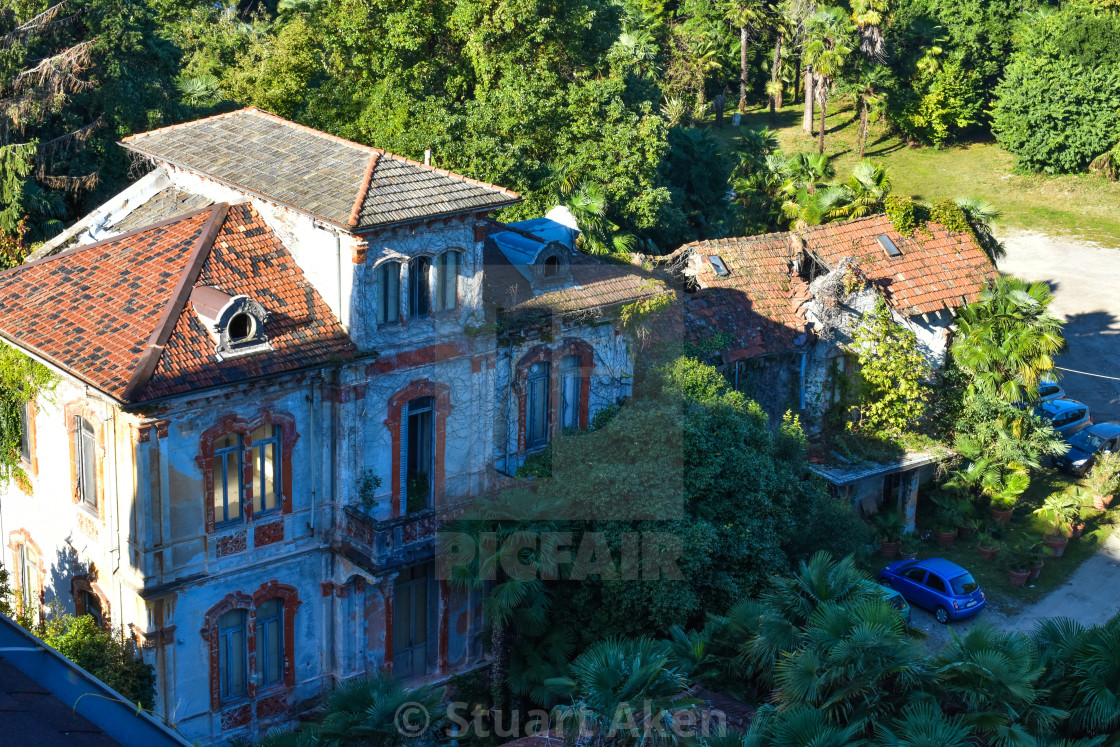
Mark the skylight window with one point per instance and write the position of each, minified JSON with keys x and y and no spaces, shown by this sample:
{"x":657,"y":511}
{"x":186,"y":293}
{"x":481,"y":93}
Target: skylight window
{"x":718,"y":265}
{"x":888,"y":246}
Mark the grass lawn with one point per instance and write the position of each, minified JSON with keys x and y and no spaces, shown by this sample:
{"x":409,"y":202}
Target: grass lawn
{"x":993,"y":577}
{"x":1084,"y":206}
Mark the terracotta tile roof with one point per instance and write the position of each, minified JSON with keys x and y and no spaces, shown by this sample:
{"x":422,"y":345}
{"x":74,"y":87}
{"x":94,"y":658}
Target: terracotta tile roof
{"x":595,"y":285}
{"x":350,"y":185}
{"x":116,"y":314}
{"x":247,"y":258}
{"x":935,"y":271}
{"x":756,"y":303}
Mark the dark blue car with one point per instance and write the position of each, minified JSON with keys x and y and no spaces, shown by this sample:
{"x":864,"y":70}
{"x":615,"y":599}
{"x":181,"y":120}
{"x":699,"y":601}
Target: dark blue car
{"x":936,"y":584}
{"x":1086,"y":444}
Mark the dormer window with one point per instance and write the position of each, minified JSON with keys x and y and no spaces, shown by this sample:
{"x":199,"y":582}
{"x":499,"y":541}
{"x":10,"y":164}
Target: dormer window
{"x":236,"y":323}
{"x":551,"y":267}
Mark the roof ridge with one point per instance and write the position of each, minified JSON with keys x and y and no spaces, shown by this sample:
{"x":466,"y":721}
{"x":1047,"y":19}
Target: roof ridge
{"x":363,"y":190}
{"x":264,"y":113}
{"x":170,"y":314}
{"x":452,"y":174}
{"x":67,"y":253}
{"x":179,"y":125}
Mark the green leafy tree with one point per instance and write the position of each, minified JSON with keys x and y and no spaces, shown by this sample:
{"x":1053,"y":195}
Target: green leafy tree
{"x":893,"y":375}
{"x":21,"y":381}
{"x":109,"y":656}
{"x":828,"y":45}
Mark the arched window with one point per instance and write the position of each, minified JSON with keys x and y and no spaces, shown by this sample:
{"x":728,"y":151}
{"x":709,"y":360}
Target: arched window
{"x":447,"y":281}
{"x":233,"y":655}
{"x":85,"y":461}
{"x":552,"y":267}
{"x":87,"y":603}
{"x":419,"y":287}
{"x":29,"y":580}
{"x":388,"y":292}
{"x":419,"y":437}
{"x":270,"y":642}
{"x":536,"y":430}
{"x":571,"y":381}
{"x":266,"y":469}
{"x":227,"y":478}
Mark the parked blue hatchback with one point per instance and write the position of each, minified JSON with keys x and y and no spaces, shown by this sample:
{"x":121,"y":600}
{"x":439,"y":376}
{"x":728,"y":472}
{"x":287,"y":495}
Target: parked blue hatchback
{"x":936,"y":584}
{"x":1066,"y":416}
{"x":1086,"y":444}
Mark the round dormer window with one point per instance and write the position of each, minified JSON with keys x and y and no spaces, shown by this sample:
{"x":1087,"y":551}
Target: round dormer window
{"x":242,"y":327}
{"x":552,"y":267}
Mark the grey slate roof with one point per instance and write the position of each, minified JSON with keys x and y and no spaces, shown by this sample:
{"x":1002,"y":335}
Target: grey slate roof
{"x":169,"y":203}
{"x":350,"y":185}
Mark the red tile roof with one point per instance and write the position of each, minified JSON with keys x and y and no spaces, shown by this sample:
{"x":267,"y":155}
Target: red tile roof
{"x":935,"y":271}
{"x":755,"y":303}
{"x":116,"y":313}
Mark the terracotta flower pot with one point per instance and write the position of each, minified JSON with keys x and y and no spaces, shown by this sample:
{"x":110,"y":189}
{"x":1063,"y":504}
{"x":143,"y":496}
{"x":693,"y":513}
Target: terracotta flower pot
{"x":1100,"y":502}
{"x":1057,"y":544}
{"x":946,"y":539}
{"x":988,"y":553}
{"x":908,"y":555}
{"x":1001,"y":517}
{"x":965,"y":532}
{"x":1078,"y":530}
{"x":1018,"y":578}
{"x":1036,"y":569}
{"x":889,"y":550}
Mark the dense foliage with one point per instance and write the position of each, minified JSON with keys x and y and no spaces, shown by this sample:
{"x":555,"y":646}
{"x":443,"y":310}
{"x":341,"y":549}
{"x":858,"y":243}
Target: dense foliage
{"x":893,"y":375}
{"x":109,"y":656}
{"x":1058,"y":106}
{"x":21,"y":381}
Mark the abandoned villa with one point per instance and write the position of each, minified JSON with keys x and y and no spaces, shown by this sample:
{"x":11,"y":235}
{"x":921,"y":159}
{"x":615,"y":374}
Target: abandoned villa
{"x":284,"y":358}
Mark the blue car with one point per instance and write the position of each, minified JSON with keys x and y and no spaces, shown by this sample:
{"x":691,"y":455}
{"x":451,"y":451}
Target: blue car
{"x":1048,"y":390}
{"x":1086,"y":444}
{"x":936,"y":584}
{"x":1066,"y":416}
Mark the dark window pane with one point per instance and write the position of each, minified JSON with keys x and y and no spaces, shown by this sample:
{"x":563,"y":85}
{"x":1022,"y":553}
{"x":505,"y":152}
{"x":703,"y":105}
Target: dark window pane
{"x":389,"y":292}
{"x":965,"y":584}
{"x":935,"y":583}
{"x":419,"y":290}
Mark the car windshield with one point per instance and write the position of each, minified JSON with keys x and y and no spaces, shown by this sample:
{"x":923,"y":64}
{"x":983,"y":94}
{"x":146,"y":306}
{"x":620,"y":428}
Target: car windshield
{"x":1086,"y":442}
{"x":896,"y":601}
{"x":1045,"y":390}
{"x":965,"y":584}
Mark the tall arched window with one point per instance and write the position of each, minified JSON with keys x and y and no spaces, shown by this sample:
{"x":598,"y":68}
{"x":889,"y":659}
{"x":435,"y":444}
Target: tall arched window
{"x":266,"y":469}
{"x":419,"y":437}
{"x":270,"y":642}
{"x":227,"y":478}
{"x":447,"y":281}
{"x":536,"y":430}
{"x":233,"y":655}
{"x":419,"y":287}
{"x":571,"y":381}
{"x":388,"y":292}
{"x":85,"y":461}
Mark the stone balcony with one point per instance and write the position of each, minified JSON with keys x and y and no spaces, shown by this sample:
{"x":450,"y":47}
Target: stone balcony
{"x":382,"y":545}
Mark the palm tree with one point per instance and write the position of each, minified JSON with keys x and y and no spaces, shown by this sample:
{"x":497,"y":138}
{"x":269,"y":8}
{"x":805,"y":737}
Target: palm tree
{"x":639,"y":48}
{"x":598,"y":233}
{"x":1006,"y":339}
{"x":799,"y":726}
{"x":924,"y":725}
{"x":1082,"y":673}
{"x":747,"y":16}
{"x":873,"y":78}
{"x":615,"y":683}
{"x":868,"y":17}
{"x":827,"y":49}
{"x":807,"y":170}
{"x":980,"y":215}
{"x":863,"y":194}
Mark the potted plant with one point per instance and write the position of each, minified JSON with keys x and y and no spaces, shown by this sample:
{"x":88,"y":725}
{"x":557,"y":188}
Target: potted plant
{"x":1037,"y":552}
{"x":969,"y":527}
{"x":908,"y":549}
{"x":1018,"y":561}
{"x":988,"y":546}
{"x":947,"y":518}
{"x":1059,"y":511}
{"x":1103,"y":479}
{"x":889,"y":526}
{"x":1004,"y":490}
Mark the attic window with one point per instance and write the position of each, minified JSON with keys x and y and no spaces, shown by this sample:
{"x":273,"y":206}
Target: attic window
{"x":552,"y":267}
{"x":888,"y":245}
{"x":235,"y":323}
{"x":718,"y":265}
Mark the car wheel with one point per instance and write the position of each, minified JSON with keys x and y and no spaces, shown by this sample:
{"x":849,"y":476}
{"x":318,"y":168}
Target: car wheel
{"x":886,"y":582}
{"x":942,"y":615}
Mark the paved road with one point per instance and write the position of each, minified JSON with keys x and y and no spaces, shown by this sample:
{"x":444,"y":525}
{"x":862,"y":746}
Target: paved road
{"x":1086,"y":283}
{"x":1091,"y":596}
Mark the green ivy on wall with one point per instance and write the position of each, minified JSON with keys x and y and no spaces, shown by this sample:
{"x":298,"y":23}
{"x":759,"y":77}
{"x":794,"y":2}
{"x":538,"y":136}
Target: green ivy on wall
{"x":21,"y":381}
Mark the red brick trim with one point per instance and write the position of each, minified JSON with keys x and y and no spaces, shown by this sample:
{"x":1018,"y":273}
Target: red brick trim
{"x":84,"y":582}
{"x":424,"y":356}
{"x":546,"y":354}
{"x":442,"y":395}
{"x":83,"y":408}
{"x":290,"y":598}
{"x":233,"y":601}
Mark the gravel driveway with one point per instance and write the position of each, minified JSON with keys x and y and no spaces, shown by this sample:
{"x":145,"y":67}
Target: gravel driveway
{"x":1085,"y":280}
